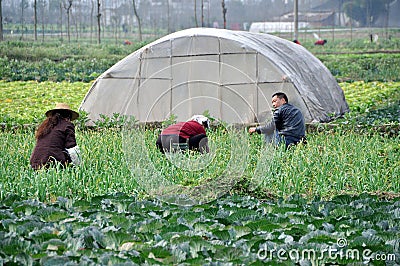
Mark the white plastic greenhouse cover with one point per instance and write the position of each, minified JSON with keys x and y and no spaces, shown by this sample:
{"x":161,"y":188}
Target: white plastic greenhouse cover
{"x":230,"y":74}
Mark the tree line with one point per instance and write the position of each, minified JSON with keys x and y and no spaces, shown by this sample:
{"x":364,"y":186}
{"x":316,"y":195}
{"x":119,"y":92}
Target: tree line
{"x":122,"y":18}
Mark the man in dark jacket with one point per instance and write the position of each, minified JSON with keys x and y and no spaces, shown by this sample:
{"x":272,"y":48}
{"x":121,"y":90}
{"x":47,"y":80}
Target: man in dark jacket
{"x":288,"y":122}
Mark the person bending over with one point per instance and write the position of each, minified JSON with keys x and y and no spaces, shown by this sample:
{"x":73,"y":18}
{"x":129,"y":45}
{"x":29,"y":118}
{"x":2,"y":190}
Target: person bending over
{"x":185,"y":135}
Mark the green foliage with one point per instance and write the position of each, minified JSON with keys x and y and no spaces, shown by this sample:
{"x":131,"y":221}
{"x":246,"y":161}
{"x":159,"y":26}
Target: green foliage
{"x":241,"y":230}
{"x":365,"y":67}
{"x":98,"y":214}
{"x":372,"y":103}
{"x":332,"y":163}
{"x":83,"y":119}
{"x":71,"y":69}
{"x":114,"y":121}
{"x":27,"y":102}
{"x":171,"y":120}
{"x":23,"y":61}
{"x":57,"y":52}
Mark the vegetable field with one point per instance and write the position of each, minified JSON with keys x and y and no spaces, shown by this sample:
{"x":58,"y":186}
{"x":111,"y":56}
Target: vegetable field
{"x":333,"y":163}
{"x":124,"y":230}
{"x":332,"y":201}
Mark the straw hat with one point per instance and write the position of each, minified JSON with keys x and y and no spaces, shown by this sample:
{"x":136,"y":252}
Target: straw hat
{"x":63,"y":106}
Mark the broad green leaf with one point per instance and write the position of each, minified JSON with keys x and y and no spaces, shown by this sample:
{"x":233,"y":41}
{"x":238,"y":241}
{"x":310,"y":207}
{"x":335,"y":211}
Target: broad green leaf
{"x":28,"y":207}
{"x":54,"y":245}
{"x":262,"y":225}
{"x":43,"y":234}
{"x":241,"y":215}
{"x":13,"y":245}
{"x":92,"y":237}
{"x":114,"y":240}
{"x":223,"y":235}
{"x":51,"y":214}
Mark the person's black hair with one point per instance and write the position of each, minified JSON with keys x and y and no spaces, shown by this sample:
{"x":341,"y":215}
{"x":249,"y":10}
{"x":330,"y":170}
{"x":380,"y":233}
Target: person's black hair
{"x":280,"y":95}
{"x":64,"y":113}
{"x":51,"y":121}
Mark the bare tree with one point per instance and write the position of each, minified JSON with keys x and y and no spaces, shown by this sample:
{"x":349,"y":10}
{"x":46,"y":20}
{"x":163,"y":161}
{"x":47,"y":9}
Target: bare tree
{"x":68,"y":7}
{"x":1,"y":20}
{"x":387,"y":9}
{"x":202,"y":13}
{"x":35,"y":18}
{"x":98,"y":22}
{"x":61,"y":22}
{"x":75,"y":20}
{"x":24,"y":5}
{"x":224,"y":9}
{"x":116,"y":20}
{"x":168,"y":18}
{"x":91,"y":19}
{"x":138,"y":20}
{"x":195,"y":13}
{"x":80,"y":19}
{"x":43,"y":5}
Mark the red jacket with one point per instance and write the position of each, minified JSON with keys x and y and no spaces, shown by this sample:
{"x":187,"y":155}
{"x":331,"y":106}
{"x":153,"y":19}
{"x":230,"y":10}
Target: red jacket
{"x":320,"y":42}
{"x":184,"y":129}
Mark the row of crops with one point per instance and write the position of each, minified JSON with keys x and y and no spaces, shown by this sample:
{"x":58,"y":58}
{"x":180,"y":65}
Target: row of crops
{"x":25,"y":102}
{"x":381,"y":67}
{"x":333,"y":163}
{"x":333,"y":201}
{"x":20,"y":61}
{"x":123,"y":230}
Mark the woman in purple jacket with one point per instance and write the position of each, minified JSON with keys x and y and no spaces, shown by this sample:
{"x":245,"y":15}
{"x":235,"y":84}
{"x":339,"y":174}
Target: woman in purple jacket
{"x":55,"y":139}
